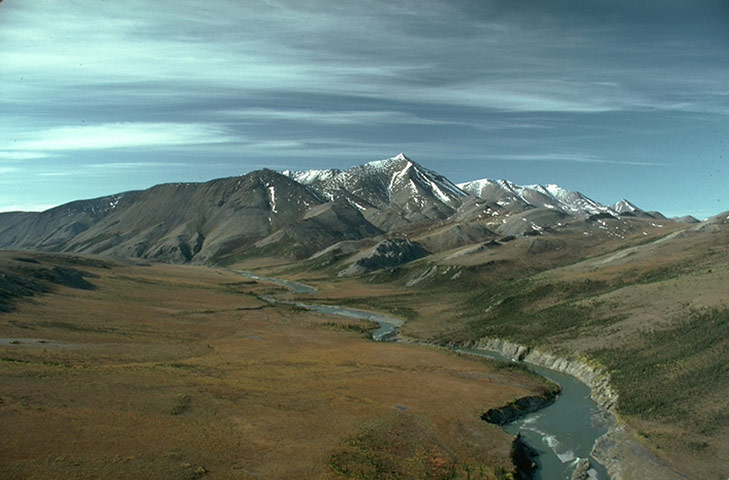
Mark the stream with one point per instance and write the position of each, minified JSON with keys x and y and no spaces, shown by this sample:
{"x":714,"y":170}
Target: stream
{"x":562,"y":433}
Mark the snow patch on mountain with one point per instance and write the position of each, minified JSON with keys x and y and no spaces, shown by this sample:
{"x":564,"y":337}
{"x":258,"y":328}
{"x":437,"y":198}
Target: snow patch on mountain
{"x":549,"y":196}
{"x":272,"y":198}
{"x":400,"y":181}
{"x":308,"y":177}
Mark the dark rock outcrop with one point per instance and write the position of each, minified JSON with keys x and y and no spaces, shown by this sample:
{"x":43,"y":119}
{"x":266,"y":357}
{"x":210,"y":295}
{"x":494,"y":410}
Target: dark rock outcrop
{"x":387,"y":254}
{"x":518,"y":408}
{"x":524,"y":458}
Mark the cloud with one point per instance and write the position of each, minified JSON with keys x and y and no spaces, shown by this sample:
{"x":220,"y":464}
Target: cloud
{"x":97,"y":169}
{"x":367,"y":118}
{"x":331,"y":117}
{"x":27,"y":155}
{"x":495,"y":59}
{"x":69,"y":173}
{"x":328,"y":82}
{"x":105,"y":170}
{"x":118,"y":135}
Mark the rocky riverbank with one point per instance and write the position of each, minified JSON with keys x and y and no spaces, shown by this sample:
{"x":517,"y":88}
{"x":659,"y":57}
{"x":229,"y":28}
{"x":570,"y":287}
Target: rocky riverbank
{"x":593,"y":376}
{"x":618,"y":450}
{"x":524,"y":458}
{"x":518,"y":408}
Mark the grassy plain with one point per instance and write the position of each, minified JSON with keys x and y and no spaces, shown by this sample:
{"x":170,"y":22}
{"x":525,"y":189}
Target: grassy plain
{"x":182,"y":372}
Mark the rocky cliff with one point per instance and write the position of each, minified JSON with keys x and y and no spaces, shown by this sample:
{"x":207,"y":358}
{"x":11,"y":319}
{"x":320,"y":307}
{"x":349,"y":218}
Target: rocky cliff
{"x":618,"y":450}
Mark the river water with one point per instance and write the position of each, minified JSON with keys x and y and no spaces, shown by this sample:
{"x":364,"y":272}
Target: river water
{"x":388,"y":326}
{"x":562,"y":433}
{"x":294,"y":286}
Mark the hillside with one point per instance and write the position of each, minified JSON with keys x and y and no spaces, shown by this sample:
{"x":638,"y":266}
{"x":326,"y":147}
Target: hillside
{"x":648,"y":307}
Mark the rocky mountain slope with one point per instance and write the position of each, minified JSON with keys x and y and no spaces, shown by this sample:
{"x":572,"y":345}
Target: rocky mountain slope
{"x":301,"y":214}
{"x":390,"y":193}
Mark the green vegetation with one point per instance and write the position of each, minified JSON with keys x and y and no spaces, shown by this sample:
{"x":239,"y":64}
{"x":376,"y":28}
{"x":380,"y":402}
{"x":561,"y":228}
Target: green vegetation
{"x":636,"y":276}
{"x":401,"y":447}
{"x":676,"y":375}
{"x":531,"y":313}
{"x":181,"y":404}
{"x":388,"y":275}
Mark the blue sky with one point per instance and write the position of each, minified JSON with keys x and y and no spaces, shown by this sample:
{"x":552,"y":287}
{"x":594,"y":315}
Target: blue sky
{"x":616,"y":99}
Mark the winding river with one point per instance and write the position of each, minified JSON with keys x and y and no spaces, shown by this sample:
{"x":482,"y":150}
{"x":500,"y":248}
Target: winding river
{"x":562,"y":433}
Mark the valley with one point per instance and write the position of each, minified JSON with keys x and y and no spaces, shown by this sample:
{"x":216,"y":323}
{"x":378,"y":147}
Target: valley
{"x":145,"y":322}
{"x":651,"y":316}
{"x":183,"y":372}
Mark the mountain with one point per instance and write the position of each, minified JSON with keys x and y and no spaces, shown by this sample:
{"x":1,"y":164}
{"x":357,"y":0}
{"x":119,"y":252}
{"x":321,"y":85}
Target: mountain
{"x":389,"y":193}
{"x":173,"y":222}
{"x":299,"y":214}
{"x":625,"y":207}
{"x":509,"y":194}
{"x":52,"y":229}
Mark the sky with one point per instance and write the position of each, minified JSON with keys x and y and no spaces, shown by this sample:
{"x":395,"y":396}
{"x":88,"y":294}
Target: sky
{"x":612,"y":98}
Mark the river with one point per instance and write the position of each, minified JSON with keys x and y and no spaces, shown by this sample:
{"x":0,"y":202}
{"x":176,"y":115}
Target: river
{"x":562,"y":433}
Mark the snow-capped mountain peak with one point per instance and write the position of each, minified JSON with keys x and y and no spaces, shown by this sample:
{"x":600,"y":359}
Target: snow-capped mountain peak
{"x":399,"y":160}
{"x":624,"y":206}
{"x":388,"y":176}
{"x":401,"y":183}
{"x":396,"y":183}
{"x":550,"y":196}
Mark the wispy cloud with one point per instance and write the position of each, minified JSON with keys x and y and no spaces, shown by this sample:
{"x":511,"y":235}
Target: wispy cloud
{"x":97,"y":169}
{"x":69,"y":173}
{"x":331,"y":117}
{"x":409,"y":52}
{"x":24,"y":155}
{"x":116,"y":135}
{"x":367,"y":118}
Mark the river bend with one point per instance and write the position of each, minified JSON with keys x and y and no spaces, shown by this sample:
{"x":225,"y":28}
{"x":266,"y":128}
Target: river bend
{"x":563,"y":432}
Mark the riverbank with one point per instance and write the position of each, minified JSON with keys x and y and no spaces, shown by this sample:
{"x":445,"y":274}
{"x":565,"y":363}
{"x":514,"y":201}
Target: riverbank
{"x":618,"y":451}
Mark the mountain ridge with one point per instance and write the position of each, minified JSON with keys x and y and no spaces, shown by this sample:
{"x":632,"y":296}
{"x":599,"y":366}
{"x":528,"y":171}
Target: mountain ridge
{"x":299,"y":213}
